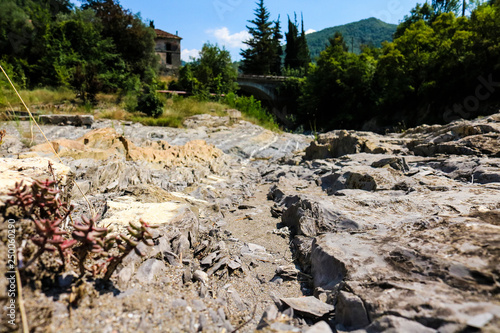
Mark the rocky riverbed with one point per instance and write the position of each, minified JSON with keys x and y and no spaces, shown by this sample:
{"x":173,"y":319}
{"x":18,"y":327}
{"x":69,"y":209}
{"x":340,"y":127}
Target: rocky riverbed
{"x":352,"y":232}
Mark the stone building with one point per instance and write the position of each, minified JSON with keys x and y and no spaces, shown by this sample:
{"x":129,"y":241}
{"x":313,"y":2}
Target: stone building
{"x":168,"y":47}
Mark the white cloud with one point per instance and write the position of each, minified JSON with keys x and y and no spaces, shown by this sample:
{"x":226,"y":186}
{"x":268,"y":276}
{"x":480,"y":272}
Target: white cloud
{"x":187,"y":54}
{"x":230,"y":41}
{"x":310,"y":31}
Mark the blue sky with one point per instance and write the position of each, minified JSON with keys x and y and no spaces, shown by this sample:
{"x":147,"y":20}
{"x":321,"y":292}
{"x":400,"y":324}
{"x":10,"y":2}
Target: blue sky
{"x":223,"y":21}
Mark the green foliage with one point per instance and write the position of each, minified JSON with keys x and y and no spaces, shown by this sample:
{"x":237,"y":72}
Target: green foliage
{"x":277,"y":36}
{"x":291,"y":49}
{"x":338,"y":88}
{"x":260,"y":55}
{"x":134,"y":41}
{"x":252,"y":108}
{"x":297,"y":52}
{"x":95,"y":49}
{"x":149,"y":102}
{"x":433,"y":72}
{"x":429,"y":12}
{"x":290,"y":91}
{"x":212,"y":72}
{"x":365,"y":32}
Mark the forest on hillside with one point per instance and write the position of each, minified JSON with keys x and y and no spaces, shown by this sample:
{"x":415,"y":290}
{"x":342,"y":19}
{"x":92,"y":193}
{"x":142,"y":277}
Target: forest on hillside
{"x":368,"y":32}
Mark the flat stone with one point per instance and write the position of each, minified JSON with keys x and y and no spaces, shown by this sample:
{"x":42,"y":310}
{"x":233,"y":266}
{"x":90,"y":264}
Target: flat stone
{"x":30,"y":169}
{"x":123,"y":210}
{"x":480,"y":320}
{"x":309,"y":305}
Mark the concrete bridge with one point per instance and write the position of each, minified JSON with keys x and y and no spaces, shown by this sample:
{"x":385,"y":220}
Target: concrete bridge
{"x":264,"y":88}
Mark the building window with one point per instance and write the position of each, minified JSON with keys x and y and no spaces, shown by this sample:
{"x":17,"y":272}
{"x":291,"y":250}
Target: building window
{"x":169,"y":46}
{"x":169,"y":58}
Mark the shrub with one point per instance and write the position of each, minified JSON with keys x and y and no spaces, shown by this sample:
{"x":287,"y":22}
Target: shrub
{"x":149,"y":102}
{"x":252,"y":108}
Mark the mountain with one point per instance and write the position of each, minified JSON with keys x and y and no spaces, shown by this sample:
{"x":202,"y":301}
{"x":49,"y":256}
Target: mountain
{"x":370,"y":31}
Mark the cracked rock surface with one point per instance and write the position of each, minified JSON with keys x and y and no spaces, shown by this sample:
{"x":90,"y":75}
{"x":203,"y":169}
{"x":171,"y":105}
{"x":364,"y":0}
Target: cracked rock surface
{"x":355,"y":232}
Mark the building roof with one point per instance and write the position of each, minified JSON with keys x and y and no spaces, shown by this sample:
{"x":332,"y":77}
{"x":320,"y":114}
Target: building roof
{"x":164,"y":34}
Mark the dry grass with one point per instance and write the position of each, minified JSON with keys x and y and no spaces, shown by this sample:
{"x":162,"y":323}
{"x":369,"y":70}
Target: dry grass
{"x":115,"y":113}
{"x":42,"y":96}
{"x":110,"y":106}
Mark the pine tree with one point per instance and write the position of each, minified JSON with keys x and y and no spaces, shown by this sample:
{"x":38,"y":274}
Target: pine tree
{"x":259,"y":56}
{"x":278,"y":50}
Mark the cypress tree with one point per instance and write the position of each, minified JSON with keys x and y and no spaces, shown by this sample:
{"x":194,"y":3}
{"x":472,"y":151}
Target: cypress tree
{"x":297,"y":50}
{"x":291,"y":57}
{"x":277,"y":36}
{"x":303,"y":54}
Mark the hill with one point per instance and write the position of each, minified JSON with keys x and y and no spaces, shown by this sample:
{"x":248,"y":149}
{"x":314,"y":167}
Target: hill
{"x":370,"y":31}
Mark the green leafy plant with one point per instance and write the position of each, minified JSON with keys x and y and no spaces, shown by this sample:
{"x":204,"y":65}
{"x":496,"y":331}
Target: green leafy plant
{"x":252,"y":108}
{"x":149,"y":102}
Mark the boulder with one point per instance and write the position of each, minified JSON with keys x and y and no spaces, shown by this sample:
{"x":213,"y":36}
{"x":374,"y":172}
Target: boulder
{"x":362,"y":178}
{"x":310,"y":217}
{"x":342,"y":142}
{"x":67,"y":119}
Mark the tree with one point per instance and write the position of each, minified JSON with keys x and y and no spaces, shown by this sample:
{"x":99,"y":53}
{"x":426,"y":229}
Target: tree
{"x":338,"y":93}
{"x":297,"y":51}
{"x":212,"y":72}
{"x":445,"y":6}
{"x":134,"y":40}
{"x":428,"y":13}
{"x":423,"y":12}
{"x":259,"y":57}
{"x":292,"y":45}
{"x":278,"y":50}
{"x":303,"y":54}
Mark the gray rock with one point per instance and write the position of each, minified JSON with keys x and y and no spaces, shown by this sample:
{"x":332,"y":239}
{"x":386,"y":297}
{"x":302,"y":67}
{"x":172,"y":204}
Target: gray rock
{"x":350,"y":311}
{"x":480,"y":320}
{"x":393,"y":324}
{"x":234,"y":264}
{"x":310,"y":217}
{"x":320,"y":327}
{"x":310,"y":306}
{"x":208,"y":260}
{"x":289,"y":271}
{"x":150,"y":270}
{"x":342,"y":142}
{"x":179,"y":303}
{"x":282,"y":327}
{"x":61,"y":119}
{"x":187,"y":275}
{"x":200,"y":276}
{"x":269,"y":315}
{"x":199,"y":305}
{"x":125,"y":275}
{"x":66,"y":279}
{"x":222,"y":262}
{"x":362,"y":178}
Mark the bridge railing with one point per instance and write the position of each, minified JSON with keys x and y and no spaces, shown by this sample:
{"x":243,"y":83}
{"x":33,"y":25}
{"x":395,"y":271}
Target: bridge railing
{"x":262,"y":77}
